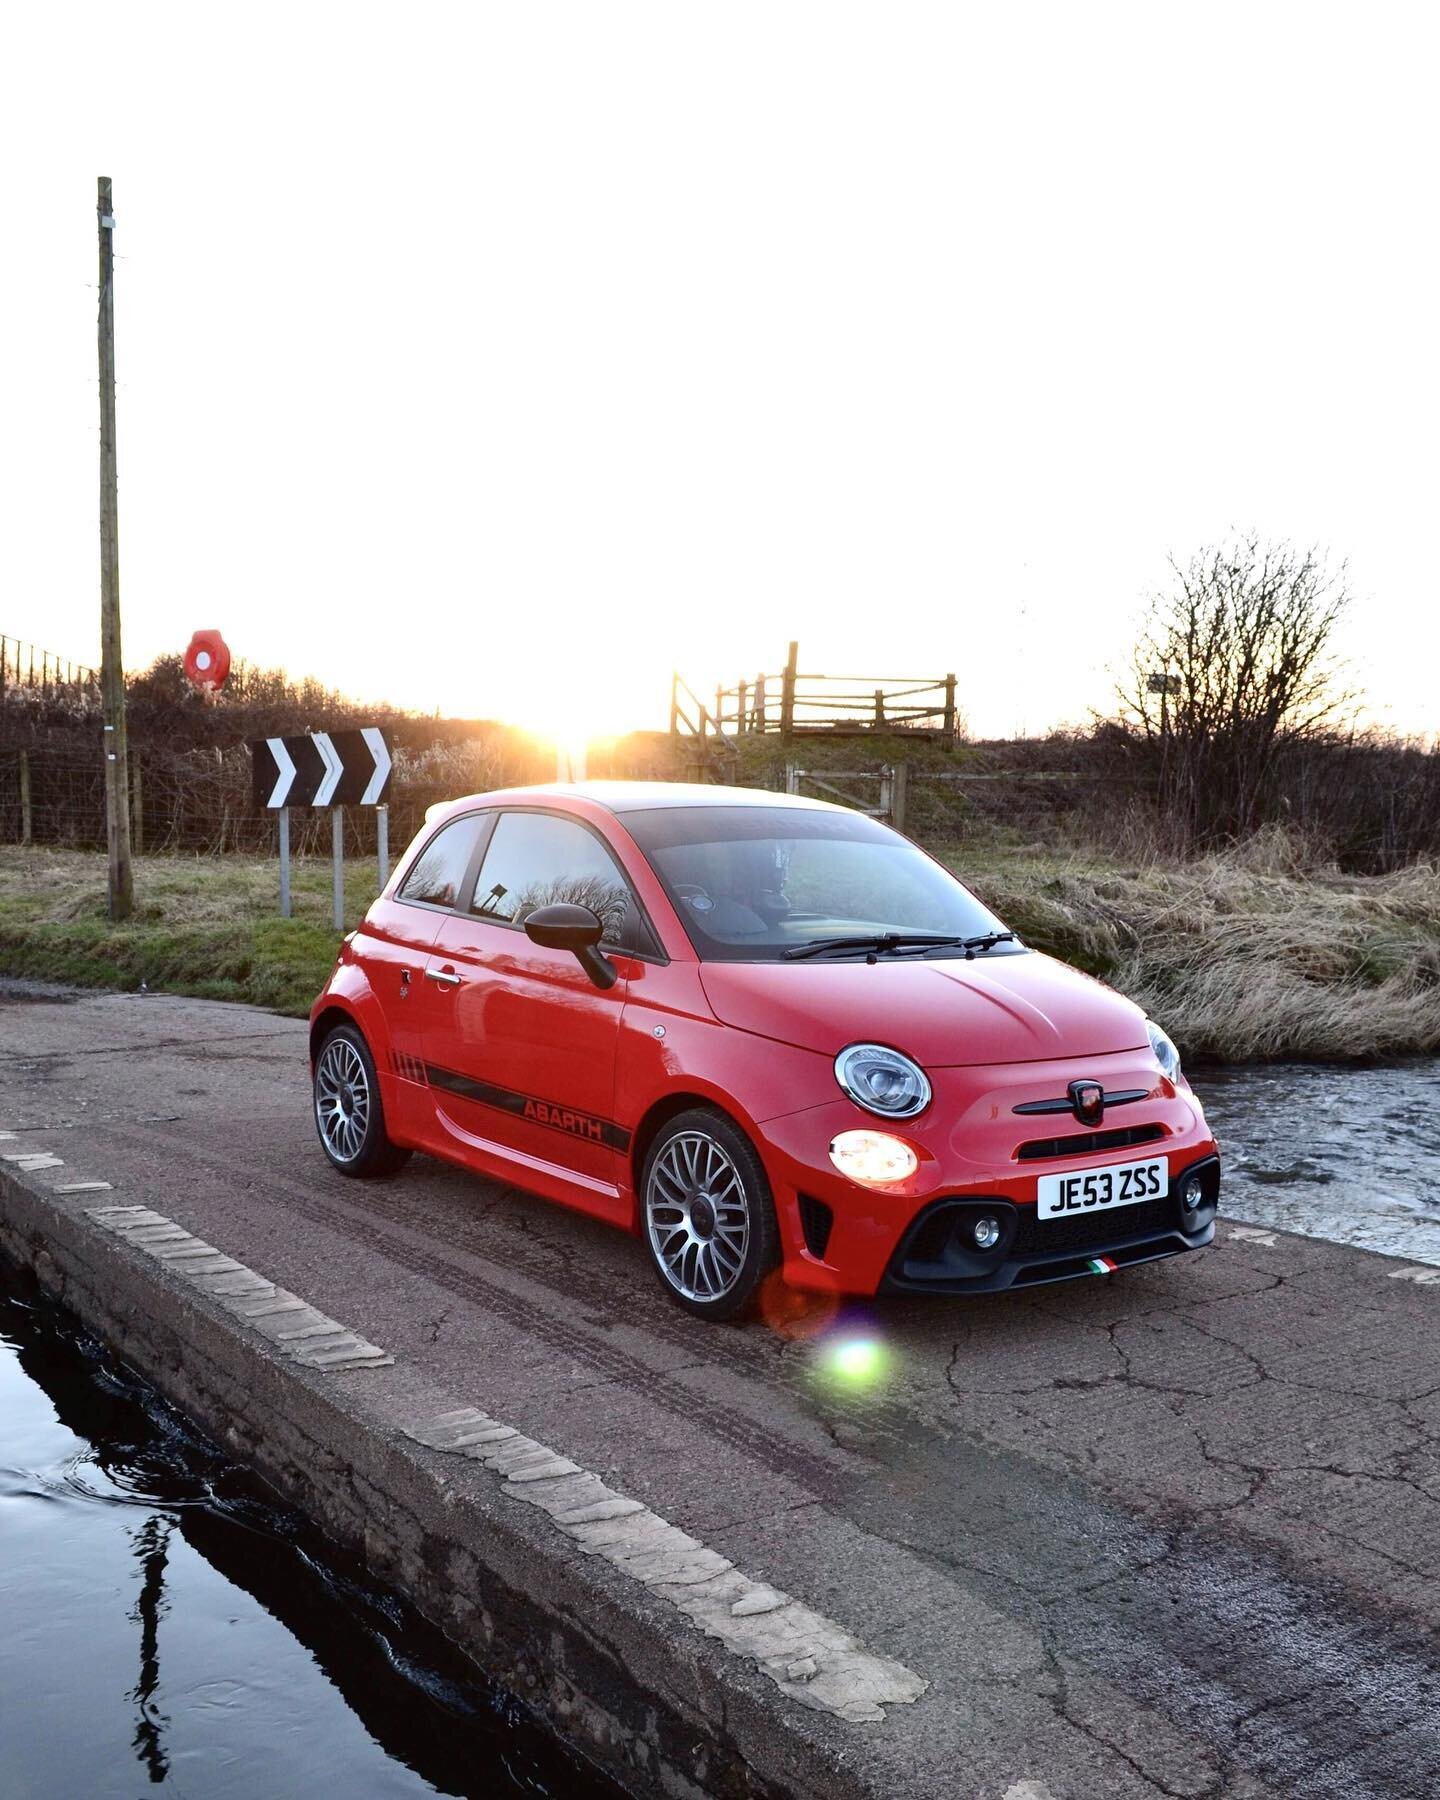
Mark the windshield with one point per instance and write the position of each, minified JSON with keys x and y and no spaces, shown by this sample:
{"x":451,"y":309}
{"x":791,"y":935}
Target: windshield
{"x":752,"y":883}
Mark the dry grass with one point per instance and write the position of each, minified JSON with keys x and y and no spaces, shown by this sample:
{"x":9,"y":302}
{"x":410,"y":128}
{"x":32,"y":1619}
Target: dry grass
{"x":1243,"y":957}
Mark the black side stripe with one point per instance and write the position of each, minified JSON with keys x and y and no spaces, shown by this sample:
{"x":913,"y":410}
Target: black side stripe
{"x":538,"y":1112}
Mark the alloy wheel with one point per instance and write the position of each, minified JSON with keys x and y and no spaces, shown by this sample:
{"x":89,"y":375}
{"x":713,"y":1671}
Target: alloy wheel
{"x":698,"y":1216}
{"x":342,"y":1099}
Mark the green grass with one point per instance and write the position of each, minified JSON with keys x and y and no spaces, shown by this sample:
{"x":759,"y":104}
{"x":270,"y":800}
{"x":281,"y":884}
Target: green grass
{"x":208,"y":926}
{"x":1243,"y":957}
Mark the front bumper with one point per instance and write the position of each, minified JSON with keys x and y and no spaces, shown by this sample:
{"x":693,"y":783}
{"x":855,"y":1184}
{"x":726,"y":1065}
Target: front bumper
{"x":978,"y":1154}
{"x":935,"y":1256}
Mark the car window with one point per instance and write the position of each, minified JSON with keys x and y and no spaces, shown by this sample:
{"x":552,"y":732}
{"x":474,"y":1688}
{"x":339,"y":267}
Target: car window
{"x":536,"y":859}
{"x":439,"y":873}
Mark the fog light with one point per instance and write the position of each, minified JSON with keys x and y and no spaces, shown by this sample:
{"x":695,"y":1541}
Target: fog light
{"x":1192,"y":1191}
{"x":873,"y":1157}
{"x":986,"y":1233}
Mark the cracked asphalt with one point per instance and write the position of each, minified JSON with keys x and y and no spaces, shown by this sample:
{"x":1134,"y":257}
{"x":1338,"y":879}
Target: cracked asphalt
{"x":1172,"y":1532}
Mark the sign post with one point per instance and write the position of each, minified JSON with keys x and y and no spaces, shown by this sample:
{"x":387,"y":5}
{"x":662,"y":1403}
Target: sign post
{"x":337,"y":862}
{"x":284,"y":862}
{"x":334,"y":769}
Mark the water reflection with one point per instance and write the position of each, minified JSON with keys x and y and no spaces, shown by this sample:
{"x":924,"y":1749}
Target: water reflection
{"x":168,"y":1624}
{"x":151,"y":1542}
{"x":1350,"y":1154}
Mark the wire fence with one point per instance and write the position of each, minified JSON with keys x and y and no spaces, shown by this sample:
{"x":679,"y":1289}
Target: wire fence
{"x":26,"y":665}
{"x":200,"y":800}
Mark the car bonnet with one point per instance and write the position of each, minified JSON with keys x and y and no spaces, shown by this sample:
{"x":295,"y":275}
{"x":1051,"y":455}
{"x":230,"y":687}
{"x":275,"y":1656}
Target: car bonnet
{"x":946,"y":1014}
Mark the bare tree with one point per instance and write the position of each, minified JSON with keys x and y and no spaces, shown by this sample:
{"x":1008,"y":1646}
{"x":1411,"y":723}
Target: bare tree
{"x":1235,"y":666}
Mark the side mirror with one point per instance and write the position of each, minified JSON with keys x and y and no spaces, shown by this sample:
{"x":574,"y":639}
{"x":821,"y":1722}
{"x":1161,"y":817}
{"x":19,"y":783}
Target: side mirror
{"x":565,"y":927}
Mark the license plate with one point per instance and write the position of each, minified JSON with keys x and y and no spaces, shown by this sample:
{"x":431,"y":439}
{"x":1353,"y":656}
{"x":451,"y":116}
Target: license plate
{"x":1096,"y":1190}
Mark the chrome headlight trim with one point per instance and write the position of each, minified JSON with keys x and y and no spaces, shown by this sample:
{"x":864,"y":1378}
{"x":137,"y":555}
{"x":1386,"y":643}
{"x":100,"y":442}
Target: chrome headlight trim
{"x":1166,"y":1054}
{"x":883,"y":1081}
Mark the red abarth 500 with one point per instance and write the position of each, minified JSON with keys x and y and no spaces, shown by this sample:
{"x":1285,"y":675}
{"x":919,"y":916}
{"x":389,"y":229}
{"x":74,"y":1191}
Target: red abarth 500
{"x":758,"y":1032}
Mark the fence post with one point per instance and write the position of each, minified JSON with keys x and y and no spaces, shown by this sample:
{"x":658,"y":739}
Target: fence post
{"x":26,"y":821}
{"x":899,"y":782}
{"x":787,"y":691}
{"x":719,"y":707}
{"x":382,"y":841}
{"x":950,"y":708}
{"x":887,"y":793}
{"x":879,"y":709}
{"x":137,"y":809}
{"x":740,"y":722}
{"x":793,"y":772}
{"x":760,"y":720}
{"x":674,"y":703}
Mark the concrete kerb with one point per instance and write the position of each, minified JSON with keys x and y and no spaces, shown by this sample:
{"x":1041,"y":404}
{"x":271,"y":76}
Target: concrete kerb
{"x":618,"y":1672}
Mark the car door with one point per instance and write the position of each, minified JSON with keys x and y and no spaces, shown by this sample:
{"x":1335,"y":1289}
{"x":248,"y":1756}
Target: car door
{"x":520,"y":1043}
{"x":394,"y":946}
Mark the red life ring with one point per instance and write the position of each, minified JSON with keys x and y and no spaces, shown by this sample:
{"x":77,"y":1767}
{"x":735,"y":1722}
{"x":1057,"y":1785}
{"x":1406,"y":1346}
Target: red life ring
{"x":207,"y":660}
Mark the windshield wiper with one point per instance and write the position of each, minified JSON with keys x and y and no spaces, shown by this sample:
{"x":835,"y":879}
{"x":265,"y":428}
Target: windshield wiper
{"x":896,"y":940}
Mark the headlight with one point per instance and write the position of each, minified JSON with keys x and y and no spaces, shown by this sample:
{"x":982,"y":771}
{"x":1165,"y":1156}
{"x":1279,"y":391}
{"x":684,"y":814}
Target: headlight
{"x":882,"y":1081}
{"x":873,"y":1157}
{"x":1166,"y":1054}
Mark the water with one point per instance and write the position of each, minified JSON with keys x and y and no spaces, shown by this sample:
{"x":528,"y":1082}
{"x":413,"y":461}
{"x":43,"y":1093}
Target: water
{"x":1350,"y":1154}
{"x":168,"y":1624}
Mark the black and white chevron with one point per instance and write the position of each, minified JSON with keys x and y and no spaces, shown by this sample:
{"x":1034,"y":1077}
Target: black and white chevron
{"x":322,"y":768}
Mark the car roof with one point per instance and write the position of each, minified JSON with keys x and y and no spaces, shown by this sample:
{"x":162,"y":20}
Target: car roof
{"x":621,"y":797}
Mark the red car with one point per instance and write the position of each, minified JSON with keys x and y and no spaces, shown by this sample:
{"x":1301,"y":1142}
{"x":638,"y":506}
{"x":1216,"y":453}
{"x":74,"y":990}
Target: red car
{"x":758,"y":1032}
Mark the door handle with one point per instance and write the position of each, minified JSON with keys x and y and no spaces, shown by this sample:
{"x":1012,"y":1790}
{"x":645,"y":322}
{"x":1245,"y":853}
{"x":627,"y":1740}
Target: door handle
{"x":446,"y":978}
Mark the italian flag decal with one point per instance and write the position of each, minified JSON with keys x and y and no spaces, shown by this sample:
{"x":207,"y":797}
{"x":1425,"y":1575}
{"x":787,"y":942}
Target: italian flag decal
{"x":1103,"y":1265}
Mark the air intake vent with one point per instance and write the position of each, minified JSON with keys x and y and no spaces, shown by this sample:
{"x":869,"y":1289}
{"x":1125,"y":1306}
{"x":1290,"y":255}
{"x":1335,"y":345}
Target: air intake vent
{"x":1087,"y":1143}
{"x":816,"y":1220}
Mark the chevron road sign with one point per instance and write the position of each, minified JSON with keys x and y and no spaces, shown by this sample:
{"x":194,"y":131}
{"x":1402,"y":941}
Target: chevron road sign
{"x":323,"y":768}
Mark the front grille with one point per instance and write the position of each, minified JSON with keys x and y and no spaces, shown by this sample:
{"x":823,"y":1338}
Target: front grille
{"x":1034,"y":1235}
{"x":1084,"y":1143}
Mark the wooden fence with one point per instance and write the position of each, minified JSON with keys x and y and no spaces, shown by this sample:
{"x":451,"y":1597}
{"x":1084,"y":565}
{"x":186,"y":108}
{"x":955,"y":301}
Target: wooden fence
{"x":794,"y":703}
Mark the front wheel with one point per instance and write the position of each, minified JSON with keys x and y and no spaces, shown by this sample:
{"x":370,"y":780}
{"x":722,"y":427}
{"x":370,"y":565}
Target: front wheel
{"x":709,"y":1217}
{"x":348,"y":1113}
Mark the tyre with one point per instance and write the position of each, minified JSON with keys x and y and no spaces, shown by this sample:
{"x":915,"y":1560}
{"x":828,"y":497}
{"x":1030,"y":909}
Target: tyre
{"x":348,"y":1113}
{"x":709,"y":1219}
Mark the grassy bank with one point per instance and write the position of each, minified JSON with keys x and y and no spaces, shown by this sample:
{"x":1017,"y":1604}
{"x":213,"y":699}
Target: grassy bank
{"x":1243,"y":958}
{"x":208,"y":926}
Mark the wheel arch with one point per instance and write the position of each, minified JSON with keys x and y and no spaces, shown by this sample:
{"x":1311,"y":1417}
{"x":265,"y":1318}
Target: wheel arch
{"x":659,"y":1115}
{"x":325,"y":1022}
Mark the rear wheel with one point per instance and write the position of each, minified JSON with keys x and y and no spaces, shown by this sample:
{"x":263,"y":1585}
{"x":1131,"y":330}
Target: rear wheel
{"x":709,"y":1216}
{"x":348,"y":1112}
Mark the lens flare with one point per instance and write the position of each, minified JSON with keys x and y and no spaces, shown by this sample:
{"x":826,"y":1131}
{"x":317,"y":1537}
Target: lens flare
{"x":795,"y":1315}
{"x":857,"y":1362}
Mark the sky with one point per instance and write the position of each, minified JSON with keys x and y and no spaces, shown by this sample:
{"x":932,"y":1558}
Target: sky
{"x":501,"y":359}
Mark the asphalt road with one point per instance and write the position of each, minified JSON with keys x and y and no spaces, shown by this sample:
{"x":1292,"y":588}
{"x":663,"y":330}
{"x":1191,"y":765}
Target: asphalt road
{"x":1170,"y":1532}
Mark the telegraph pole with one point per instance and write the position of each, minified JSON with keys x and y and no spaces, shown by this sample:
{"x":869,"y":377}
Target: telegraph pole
{"x":112,"y":668}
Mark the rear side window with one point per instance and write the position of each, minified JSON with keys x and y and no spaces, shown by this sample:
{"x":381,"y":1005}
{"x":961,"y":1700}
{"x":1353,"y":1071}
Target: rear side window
{"x":438,"y":876}
{"x":538,"y":859}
